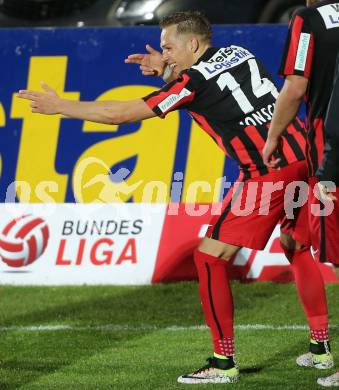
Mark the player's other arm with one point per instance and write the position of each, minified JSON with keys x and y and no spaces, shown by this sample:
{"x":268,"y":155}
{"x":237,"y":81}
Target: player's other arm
{"x":286,"y":108}
{"x":111,"y":112}
{"x":152,"y":64}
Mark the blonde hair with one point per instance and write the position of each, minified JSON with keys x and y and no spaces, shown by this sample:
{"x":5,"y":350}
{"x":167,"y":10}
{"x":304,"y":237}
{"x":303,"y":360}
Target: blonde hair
{"x":189,"y":22}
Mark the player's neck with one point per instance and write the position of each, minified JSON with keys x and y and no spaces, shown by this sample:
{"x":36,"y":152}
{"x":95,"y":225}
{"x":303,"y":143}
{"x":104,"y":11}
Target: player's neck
{"x":202,"y":49}
{"x":309,"y":3}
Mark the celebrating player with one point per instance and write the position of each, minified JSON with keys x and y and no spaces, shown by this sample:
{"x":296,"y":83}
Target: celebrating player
{"x":231,"y":96}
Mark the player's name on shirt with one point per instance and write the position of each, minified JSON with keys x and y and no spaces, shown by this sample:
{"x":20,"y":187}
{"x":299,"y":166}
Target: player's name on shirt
{"x":260,"y":117}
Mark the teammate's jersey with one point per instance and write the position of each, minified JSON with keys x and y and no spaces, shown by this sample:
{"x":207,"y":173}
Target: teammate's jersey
{"x":231,"y":96}
{"x":329,"y":168}
{"x":311,"y":51}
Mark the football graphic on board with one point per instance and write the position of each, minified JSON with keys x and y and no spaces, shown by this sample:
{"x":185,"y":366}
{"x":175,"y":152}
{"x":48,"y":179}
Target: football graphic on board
{"x":23,"y":240}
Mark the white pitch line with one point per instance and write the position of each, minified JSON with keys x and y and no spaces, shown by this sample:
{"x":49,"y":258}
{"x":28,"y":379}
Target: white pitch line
{"x":149,"y":328}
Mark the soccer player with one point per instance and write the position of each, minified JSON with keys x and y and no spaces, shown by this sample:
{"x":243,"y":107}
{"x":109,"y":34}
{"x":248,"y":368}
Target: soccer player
{"x":308,"y":65}
{"x":231,"y":96}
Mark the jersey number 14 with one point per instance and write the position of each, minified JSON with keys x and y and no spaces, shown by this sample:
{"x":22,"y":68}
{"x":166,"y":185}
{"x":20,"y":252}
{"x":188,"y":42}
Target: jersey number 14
{"x":260,"y":87}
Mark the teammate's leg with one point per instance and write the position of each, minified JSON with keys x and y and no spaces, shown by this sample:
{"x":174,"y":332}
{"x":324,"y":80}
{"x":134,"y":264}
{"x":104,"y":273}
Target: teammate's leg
{"x":311,"y":289}
{"x":309,"y":283}
{"x":324,"y":232}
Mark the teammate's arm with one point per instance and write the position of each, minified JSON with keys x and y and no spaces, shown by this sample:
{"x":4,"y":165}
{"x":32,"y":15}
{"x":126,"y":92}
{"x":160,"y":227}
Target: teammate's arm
{"x":286,"y":108}
{"x":109,"y":112}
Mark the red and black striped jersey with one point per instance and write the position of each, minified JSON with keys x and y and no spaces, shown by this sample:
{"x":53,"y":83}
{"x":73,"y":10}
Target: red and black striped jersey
{"x":329,"y":168}
{"x":311,"y":51}
{"x":231,"y":96}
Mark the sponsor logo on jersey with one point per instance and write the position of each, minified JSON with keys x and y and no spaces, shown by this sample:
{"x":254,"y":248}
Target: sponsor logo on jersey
{"x":223,"y":59}
{"x":330,"y":15}
{"x":304,"y":42}
{"x":173,"y":99}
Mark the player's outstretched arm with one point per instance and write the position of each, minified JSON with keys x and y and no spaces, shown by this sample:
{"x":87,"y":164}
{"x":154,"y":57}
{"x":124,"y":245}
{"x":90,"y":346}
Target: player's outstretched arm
{"x":110,"y":112}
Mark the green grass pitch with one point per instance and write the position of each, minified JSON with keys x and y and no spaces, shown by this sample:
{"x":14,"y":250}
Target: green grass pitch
{"x":104,"y":337}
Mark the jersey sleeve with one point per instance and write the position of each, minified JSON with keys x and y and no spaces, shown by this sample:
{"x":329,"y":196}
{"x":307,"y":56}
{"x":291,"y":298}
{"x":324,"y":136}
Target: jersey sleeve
{"x":174,"y":95}
{"x":299,"y":47}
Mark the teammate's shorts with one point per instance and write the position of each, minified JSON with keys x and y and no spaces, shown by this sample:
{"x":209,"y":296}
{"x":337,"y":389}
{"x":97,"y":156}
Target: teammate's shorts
{"x":250,"y":210}
{"x":324,"y":229}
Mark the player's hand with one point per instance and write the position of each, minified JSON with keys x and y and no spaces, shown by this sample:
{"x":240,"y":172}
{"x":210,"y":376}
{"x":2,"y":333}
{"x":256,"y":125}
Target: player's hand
{"x":272,"y":146}
{"x":151,"y":63}
{"x":325,"y":193}
{"x":47,"y":102}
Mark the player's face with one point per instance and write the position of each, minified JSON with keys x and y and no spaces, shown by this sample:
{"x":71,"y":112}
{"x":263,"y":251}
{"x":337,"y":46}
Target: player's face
{"x":176,"y":49}
{"x":310,"y":2}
